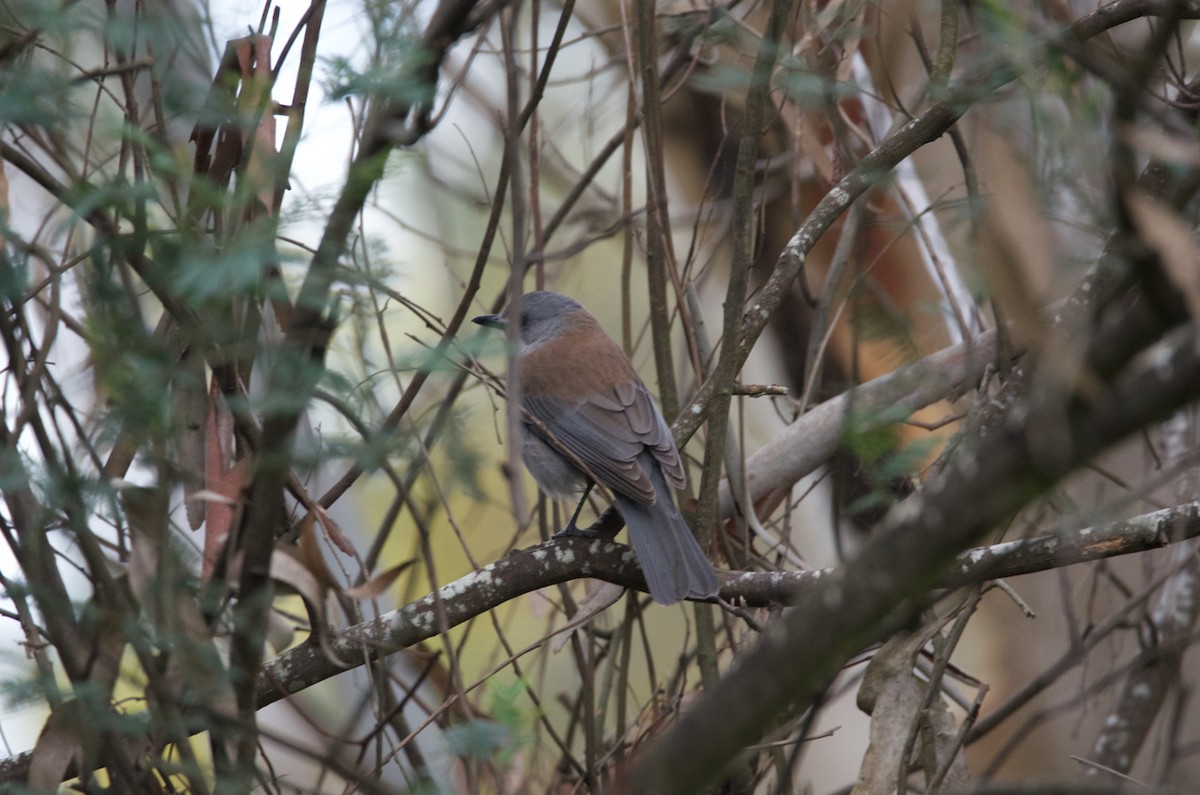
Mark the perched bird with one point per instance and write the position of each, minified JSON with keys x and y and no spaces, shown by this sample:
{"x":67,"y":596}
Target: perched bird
{"x":584,"y":404}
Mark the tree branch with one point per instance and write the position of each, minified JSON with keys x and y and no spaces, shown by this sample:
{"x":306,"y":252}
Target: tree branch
{"x":879,"y":591}
{"x":562,"y":560}
{"x":877,"y":165}
{"x":565,"y":559}
{"x":301,"y":358}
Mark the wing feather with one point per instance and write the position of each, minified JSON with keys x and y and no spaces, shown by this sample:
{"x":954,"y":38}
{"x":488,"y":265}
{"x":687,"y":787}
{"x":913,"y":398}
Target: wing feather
{"x":607,"y":431}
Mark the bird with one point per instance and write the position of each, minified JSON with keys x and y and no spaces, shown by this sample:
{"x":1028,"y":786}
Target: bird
{"x":587,"y":418}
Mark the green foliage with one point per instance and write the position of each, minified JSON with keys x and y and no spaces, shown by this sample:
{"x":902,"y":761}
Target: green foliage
{"x":206,"y":274}
{"x":134,"y":369}
{"x":22,"y":691}
{"x":14,"y":278}
{"x":462,"y":451}
{"x":720,"y":79}
{"x":33,"y":96}
{"x":877,"y":319}
{"x":873,"y":439}
{"x":13,"y":472}
{"x":397,"y":78}
{"x":714,"y":28}
{"x":500,"y":737}
{"x":809,"y":89}
{"x":480,"y":739}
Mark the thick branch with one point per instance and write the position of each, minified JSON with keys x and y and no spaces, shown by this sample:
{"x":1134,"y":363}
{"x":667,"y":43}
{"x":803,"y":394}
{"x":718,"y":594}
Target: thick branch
{"x":881,"y":589}
{"x":813,"y":438}
{"x":566,"y":559}
{"x":877,"y":166}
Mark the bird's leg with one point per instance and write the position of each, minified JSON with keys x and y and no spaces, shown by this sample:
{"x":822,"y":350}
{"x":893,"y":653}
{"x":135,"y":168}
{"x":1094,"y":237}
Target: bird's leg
{"x":571,"y":529}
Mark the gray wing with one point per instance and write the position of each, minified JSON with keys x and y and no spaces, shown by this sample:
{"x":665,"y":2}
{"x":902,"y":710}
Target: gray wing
{"x":607,"y":432}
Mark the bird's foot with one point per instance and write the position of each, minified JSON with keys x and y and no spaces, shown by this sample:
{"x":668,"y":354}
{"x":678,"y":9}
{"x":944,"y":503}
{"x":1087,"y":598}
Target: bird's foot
{"x":605,"y":527}
{"x":571,"y":531}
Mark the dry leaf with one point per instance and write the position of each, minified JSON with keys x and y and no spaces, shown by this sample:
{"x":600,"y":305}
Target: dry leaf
{"x":254,"y":58}
{"x":223,"y":484}
{"x":333,"y":532}
{"x":289,"y":570}
{"x":219,"y":99}
{"x":65,"y":747}
{"x":193,"y":663}
{"x":377,"y":584}
{"x":892,"y":694}
{"x":146,"y":512}
{"x":310,"y":554}
{"x":302,"y":568}
{"x":207,"y":495}
{"x":1162,"y":146}
{"x":1017,"y":275}
{"x":68,"y":743}
{"x":1171,"y":236}
{"x":190,"y":411}
{"x":811,"y":133}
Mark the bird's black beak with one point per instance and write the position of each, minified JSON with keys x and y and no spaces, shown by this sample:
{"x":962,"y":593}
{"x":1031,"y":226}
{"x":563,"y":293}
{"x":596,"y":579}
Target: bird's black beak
{"x":491,"y":321}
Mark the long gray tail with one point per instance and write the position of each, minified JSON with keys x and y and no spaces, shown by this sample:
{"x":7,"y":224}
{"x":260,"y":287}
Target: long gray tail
{"x":674,"y":564}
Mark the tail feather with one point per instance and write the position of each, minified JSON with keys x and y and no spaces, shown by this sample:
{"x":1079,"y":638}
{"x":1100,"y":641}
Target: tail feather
{"x":672,"y":561}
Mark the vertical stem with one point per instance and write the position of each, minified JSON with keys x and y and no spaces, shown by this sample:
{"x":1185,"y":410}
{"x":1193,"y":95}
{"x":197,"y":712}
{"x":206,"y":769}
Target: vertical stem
{"x":728,"y":360}
{"x":535,"y":205}
{"x":512,"y":153}
{"x":728,"y":363}
{"x":660,"y":256}
{"x":943,"y":62}
{"x":627,"y":212}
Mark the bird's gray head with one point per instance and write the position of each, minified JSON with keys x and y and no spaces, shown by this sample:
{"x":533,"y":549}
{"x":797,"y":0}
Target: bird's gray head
{"x":544,"y":315}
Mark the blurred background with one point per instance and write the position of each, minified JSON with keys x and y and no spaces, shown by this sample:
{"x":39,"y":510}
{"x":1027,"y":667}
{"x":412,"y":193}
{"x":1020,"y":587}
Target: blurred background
{"x":620,"y":186}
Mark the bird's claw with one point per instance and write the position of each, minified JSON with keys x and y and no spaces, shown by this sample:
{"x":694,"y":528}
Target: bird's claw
{"x":571,"y":531}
